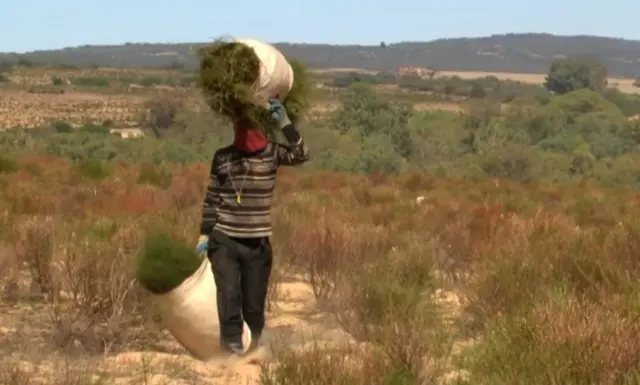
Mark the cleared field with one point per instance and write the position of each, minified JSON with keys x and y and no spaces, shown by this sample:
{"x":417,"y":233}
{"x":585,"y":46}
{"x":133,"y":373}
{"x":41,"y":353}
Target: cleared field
{"x":623,"y":84}
{"x":342,"y":70}
{"x":24,"y":109}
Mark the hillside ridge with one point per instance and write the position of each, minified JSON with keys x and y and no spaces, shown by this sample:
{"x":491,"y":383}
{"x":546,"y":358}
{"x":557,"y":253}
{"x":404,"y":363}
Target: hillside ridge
{"x":527,"y":52}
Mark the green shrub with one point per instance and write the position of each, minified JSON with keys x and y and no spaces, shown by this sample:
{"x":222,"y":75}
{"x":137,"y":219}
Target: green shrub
{"x":95,"y":129}
{"x":164,"y":263}
{"x":62,"y":127}
{"x":149,"y":81}
{"x":94,"y":169}
{"x":155,"y":175}
{"x":8,"y":165}
{"x":57,"y":81}
{"x":90,"y":81}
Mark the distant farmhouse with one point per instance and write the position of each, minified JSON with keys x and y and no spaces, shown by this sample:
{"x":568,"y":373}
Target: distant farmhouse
{"x":127,"y":133}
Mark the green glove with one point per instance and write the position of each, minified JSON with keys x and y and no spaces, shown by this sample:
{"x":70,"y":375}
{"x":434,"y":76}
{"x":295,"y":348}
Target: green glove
{"x":278,"y":113}
{"x":203,"y":244}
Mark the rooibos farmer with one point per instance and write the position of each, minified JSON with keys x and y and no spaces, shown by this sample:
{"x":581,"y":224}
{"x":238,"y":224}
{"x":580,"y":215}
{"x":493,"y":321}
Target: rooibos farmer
{"x":236,"y":223}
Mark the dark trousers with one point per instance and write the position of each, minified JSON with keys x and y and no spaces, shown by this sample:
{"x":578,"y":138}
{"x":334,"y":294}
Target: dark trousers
{"x":241,"y":269}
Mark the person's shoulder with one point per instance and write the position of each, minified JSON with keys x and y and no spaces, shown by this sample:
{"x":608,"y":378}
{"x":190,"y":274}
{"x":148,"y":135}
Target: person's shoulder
{"x":224,"y":152}
{"x":221,"y":157}
{"x":271,"y":148}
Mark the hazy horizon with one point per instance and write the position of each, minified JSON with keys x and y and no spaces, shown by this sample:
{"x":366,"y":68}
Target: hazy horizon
{"x":34,"y":25}
{"x":323,"y":43}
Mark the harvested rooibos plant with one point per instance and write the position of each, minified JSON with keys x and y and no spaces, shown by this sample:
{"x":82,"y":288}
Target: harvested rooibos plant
{"x":228,"y":72}
{"x":164,"y":263}
{"x":297,"y":101}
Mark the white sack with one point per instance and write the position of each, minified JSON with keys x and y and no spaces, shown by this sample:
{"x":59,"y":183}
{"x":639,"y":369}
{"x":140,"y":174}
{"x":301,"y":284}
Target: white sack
{"x":276,"y":74}
{"x":190,"y":313}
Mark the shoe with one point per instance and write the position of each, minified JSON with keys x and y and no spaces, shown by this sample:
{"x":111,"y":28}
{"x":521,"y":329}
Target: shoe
{"x":233,"y":348}
{"x":255,"y":343}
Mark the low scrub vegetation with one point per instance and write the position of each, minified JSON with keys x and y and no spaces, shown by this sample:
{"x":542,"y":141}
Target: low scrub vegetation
{"x":497,"y":245}
{"x":432,"y":279}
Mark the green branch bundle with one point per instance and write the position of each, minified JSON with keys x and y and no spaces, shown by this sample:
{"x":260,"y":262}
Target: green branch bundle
{"x":164,"y":263}
{"x":228,"y":71}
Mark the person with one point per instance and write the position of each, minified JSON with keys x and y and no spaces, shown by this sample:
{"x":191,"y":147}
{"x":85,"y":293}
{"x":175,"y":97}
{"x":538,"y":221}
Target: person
{"x":236,"y":223}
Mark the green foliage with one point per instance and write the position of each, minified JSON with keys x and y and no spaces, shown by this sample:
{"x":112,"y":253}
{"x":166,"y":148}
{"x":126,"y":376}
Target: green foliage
{"x":90,"y":81}
{"x":297,"y":101}
{"x":62,"y":127}
{"x":8,"y":165}
{"x":164,"y":263}
{"x":580,"y":135}
{"x":629,"y":104}
{"x":154,"y":175}
{"x":227,"y":73}
{"x":477,"y":91}
{"x":162,"y":113}
{"x":566,"y":75}
{"x":57,"y":81}
{"x":95,"y":129}
{"x":148,"y":81}
{"x":46,"y":89}
{"x":94,"y":169}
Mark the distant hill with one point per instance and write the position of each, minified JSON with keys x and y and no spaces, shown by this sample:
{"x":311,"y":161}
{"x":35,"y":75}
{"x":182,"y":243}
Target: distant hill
{"x":530,"y":53}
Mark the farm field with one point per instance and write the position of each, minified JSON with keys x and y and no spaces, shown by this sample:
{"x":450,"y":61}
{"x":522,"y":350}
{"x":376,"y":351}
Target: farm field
{"x":623,"y":84}
{"x":38,"y":96}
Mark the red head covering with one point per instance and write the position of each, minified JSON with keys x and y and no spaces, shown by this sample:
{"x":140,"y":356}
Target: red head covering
{"x":249,"y":140}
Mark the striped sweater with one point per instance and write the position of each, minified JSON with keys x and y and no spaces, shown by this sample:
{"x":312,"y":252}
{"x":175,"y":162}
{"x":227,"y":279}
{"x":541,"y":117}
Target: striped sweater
{"x":240,"y":192}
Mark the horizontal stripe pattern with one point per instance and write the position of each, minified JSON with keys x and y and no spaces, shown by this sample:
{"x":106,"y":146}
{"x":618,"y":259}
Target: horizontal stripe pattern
{"x":253,"y":177}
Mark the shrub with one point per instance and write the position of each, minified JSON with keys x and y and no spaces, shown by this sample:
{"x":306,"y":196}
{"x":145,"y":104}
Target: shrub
{"x":8,"y":165}
{"x":62,"y":127}
{"x":158,"y":176}
{"x":95,"y":129}
{"x":90,"y":81}
{"x":94,"y":169}
{"x":57,"y":81}
{"x":164,"y":263}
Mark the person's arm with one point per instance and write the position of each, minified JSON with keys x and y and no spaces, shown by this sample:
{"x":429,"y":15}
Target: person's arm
{"x":211,"y":201}
{"x":297,"y":152}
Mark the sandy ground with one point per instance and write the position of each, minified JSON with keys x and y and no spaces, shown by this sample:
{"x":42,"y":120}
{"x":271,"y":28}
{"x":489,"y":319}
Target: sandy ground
{"x":295,"y":323}
{"x":25,"y":343}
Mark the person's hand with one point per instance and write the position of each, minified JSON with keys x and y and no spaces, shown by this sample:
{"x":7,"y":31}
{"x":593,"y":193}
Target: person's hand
{"x":203,"y":244}
{"x":278,"y":113}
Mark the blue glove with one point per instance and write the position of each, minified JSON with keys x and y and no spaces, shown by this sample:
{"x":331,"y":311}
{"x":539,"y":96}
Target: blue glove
{"x":203,"y":245}
{"x":278,"y":113}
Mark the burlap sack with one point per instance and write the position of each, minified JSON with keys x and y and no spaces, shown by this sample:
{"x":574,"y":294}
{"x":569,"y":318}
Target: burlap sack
{"x":190,"y":313}
{"x":276,"y":74}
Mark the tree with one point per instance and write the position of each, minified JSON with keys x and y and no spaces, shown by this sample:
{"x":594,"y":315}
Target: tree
{"x":477,"y":91}
{"x":161,"y":115}
{"x":24,"y":62}
{"x":566,"y":75}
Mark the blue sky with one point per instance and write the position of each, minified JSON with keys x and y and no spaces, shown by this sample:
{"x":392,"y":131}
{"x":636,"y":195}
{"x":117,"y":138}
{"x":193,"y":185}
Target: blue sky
{"x":27,"y":25}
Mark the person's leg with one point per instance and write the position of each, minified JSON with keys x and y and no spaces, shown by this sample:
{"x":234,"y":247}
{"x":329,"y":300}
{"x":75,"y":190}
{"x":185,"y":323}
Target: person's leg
{"x":255,"y":272}
{"x":225,"y":264}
